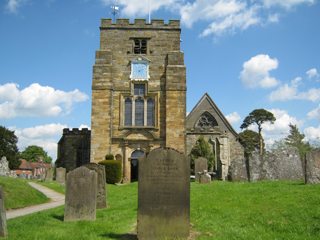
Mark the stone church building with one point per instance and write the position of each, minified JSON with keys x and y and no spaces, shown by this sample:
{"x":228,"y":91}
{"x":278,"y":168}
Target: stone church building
{"x":139,"y":98}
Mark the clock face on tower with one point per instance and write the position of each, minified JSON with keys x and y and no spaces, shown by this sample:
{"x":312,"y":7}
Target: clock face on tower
{"x":139,"y":70}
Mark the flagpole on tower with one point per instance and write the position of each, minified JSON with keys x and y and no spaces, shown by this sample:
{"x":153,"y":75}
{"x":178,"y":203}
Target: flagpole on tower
{"x":149,"y":11}
{"x":114,"y":11}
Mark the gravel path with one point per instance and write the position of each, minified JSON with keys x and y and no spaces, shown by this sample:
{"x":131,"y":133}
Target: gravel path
{"x":57,"y":199}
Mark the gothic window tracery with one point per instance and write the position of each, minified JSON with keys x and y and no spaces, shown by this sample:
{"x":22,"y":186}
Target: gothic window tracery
{"x":206,"y":120}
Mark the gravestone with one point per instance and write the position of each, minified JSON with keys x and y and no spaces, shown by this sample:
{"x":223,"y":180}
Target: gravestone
{"x":81,"y":195}
{"x":61,"y":175}
{"x":49,"y":174}
{"x":163,"y":195}
{"x":101,"y":186}
{"x":4,"y":167}
{"x":3,"y":219}
{"x":312,"y":170}
{"x":205,"y":177}
{"x":200,"y":164}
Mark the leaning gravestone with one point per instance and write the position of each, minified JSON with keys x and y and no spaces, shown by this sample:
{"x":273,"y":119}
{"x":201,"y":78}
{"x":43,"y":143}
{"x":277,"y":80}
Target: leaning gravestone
{"x":61,"y":175}
{"x":4,"y":167}
{"x":163,"y":195}
{"x":101,"y":186}
{"x":200,"y":164}
{"x":3,"y":219}
{"x":312,"y":170}
{"x":81,"y":195}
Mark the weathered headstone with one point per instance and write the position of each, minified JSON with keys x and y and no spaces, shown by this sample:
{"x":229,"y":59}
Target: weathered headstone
{"x":101,"y":186}
{"x":312,"y":170}
{"x":81,"y":195}
{"x":205,"y":177}
{"x":200,"y":164}
{"x":49,"y":174}
{"x":3,"y":219}
{"x":61,"y":175}
{"x":163,"y":195}
{"x":4,"y":167}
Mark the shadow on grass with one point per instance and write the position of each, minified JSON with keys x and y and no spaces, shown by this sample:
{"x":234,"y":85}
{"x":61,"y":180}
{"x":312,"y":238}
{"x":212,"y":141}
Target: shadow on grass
{"x":58,"y":217}
{"x":127,"y":236}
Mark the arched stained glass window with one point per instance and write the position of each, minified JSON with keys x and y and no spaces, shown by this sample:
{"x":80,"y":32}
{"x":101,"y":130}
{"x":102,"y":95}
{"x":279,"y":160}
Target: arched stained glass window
{"x":206,"y":120}
{"x":139,"y":112}
{"x":128,"y":112}
{"x":150,"y":112}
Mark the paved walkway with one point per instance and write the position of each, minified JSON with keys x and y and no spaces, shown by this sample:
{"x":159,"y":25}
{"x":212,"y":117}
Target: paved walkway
{"x":57,"y":199}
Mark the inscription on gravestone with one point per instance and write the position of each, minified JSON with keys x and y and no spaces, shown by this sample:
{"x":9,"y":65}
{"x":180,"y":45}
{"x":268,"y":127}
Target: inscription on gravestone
{"x":3,"y":219}
{"x":81,"y":195}
{"x":200,"y":164}
{"x":101,"y":186}
{"x":163,"y":195}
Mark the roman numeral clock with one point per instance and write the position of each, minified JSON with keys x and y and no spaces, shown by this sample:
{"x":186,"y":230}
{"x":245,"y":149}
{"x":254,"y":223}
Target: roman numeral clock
{"x":140,"y":70}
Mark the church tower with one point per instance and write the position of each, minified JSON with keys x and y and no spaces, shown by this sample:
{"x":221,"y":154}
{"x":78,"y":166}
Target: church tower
{"x":138,"y":91}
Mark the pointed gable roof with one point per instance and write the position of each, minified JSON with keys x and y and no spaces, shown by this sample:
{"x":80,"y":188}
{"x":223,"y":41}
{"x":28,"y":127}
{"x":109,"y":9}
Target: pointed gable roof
{"x":204,"y":105}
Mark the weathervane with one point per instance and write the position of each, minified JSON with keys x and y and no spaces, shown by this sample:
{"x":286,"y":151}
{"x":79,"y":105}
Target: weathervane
{"x":114,"y":11}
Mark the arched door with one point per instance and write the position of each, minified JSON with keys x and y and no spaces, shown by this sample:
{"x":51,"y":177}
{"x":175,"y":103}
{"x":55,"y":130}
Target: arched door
{"x":135,"y":164}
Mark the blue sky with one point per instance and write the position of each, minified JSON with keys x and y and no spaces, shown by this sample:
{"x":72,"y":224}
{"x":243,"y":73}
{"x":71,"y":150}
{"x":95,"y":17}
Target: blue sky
{"x":244,"y":54}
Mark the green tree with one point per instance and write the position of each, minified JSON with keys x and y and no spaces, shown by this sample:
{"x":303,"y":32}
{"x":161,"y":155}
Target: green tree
{"x":202,"y":149}
{"x":250,"y":140}
{"x":295,"y":139}
{"x":35,"y":153}
{"x":8,"y":147}
{"x":258,"y":116}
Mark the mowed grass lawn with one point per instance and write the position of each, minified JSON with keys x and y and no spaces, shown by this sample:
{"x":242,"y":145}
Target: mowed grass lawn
{"x":220,"y":210}
{"x":18,"y":193}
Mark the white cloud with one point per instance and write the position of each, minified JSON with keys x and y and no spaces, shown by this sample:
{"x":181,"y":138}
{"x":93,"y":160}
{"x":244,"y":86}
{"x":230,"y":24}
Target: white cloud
{"x":36,"y":100}
{"x":312,"y":133}
{"x":45,"y":136}
{"x":13,"y":5}
{"x":315,"y":113}
{"x":255,"y":72}
{"x":286,"y":3}
{"x":290,"y":91}
{"x":312,"y":73}
{"x":220,"y":16}
{"x":233,"y":117}
{"x":138,"y":8}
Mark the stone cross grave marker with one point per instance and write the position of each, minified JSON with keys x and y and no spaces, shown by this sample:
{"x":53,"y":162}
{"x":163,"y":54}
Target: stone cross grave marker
{"x":81,"y":195}
{"x":200,"y":164}
{"x":61,"y":175}
{"x":3,"y":219}
{"x":163,"y":195}
{"x":101,"y":186}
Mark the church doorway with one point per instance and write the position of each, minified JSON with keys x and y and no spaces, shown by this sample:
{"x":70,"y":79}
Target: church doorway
{"x":135,"y":164}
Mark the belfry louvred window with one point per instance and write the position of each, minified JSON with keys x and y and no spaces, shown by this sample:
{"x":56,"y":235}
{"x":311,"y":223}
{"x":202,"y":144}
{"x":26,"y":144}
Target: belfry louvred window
{"x":140,"y":46}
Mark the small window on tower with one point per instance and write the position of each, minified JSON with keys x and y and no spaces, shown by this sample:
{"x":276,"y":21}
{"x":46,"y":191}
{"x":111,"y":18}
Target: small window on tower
{"x":140,"y":46}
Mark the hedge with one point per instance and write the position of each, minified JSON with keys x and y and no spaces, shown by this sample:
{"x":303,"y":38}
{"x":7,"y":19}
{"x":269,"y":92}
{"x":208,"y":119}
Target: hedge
{"x":113,"y":170}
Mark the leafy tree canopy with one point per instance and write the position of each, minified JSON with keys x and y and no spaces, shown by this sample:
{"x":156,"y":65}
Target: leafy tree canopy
{"x":8,"y":147}
{"x":202,"y":149}
{"x":258,"y":116}
{"x":250,"y":141}
{"x":35,"y":153}
{"x":295,"y":139}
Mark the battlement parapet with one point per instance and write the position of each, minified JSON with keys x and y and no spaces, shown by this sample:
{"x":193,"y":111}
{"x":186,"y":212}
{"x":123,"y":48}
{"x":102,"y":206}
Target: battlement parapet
{"x":76,"y":131}
{"x":139,"y":23}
